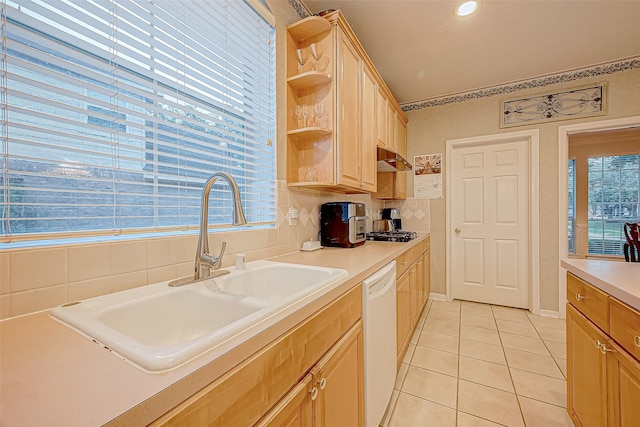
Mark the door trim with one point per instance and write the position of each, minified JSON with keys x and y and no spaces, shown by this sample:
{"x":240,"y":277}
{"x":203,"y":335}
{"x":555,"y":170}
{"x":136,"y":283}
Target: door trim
{"x":563,"y":158}
{"x":533,"y":137}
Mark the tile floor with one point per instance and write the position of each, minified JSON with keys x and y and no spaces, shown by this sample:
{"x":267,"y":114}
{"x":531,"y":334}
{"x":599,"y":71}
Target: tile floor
{"x":472,"y":364}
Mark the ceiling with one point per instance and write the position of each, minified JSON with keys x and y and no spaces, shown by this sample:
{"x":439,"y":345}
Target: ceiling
{"x":423,"y":50}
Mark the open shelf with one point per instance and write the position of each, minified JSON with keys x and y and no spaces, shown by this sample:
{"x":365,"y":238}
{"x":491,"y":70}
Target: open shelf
{"x":308,"y":27}
{"x":308,"y":79}
{"x":309,"y":132}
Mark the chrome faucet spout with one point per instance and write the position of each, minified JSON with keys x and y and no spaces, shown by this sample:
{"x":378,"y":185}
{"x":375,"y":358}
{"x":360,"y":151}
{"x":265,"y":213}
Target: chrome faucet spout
{"x":206,"y":262}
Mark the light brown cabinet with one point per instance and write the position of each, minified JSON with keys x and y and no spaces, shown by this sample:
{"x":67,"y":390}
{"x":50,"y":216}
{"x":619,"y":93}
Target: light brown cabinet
{"x":271,"y":377}
{"x":382,"y":117}
{"x":338,"y":151}
{"x":393,"y":185}
{"x":412,"y":293}
{"x":331,"y":395}
{"x":603,"y":376}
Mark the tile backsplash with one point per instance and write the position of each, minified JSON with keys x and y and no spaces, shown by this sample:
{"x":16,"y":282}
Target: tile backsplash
{"x":37,"y":279}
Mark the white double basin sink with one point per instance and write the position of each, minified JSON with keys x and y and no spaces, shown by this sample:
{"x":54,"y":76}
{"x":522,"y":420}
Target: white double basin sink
{"x":158,"y":327}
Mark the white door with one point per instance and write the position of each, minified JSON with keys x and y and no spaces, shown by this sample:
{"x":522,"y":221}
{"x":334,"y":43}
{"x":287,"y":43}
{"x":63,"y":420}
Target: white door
{"x":490,"y":223}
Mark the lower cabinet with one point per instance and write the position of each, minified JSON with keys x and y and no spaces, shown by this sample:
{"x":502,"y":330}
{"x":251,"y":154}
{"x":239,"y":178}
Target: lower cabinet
{"x":331,"y":395}
{"x":624,"y":388}
{"x":412,"y":292}
{"x":603,"y":376}
{"x":586,"y":371}
{"x":310,"y":376}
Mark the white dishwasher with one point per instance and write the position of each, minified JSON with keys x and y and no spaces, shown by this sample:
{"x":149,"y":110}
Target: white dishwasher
{"x":379,"y":318}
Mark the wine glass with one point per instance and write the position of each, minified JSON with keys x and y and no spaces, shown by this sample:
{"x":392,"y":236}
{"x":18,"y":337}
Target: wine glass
{"x":299,"y":115}
{"x":305,"y":114}
{"x":314,"y":52}
{"x":302,"y":59}
{"x":318,"y":108}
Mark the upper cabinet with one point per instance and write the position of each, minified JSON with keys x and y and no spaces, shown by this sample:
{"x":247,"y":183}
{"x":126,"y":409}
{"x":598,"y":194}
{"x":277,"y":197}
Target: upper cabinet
{"x":335,"y":101}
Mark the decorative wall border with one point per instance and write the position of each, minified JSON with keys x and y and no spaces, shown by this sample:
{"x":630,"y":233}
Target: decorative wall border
{"x":631,"y":63}
{"x":301,"y":9}
{"x":584,"y":101}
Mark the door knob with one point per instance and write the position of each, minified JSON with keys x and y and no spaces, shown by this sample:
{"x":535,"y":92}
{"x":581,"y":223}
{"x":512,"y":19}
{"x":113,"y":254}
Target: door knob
{"x":457,"y":230}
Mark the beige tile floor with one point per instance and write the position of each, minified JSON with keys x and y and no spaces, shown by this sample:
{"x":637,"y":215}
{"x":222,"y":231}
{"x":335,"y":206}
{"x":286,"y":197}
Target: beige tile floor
{"x":472,"y":364}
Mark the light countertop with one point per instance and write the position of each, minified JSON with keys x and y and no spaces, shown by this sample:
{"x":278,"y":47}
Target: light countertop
{"x":51,"y":375}
{"x":619,"y":279}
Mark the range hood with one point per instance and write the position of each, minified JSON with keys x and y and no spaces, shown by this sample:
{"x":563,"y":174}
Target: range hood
{"x":388,"y":161}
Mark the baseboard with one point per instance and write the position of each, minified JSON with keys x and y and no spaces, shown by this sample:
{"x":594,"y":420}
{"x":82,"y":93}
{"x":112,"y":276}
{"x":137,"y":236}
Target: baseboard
{"x":549,"y":313}
{"x":437,"y":297}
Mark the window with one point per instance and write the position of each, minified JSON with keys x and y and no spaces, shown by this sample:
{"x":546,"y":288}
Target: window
{"x":571,"y":205}
{"x":614,"y":195}
{"x":116,"y":112}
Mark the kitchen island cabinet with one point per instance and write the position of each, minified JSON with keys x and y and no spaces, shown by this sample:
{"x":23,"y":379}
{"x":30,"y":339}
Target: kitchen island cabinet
{"x":603,"y":343}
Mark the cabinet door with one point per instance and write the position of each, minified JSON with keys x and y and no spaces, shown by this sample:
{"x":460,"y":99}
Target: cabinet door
{"x":426,"y":267}
{"x":403,"y":312}
{"x":369,"y":173}
{"x":294,"y":410}
{"x":415,"y":273}
{"x":347,"y":124}
{"x":339,"y":379}
{"x":624,"y":388}
{"x":391,"y":128}
{"x":382,"y":113}
{"x":586,"y":371}
{"x":401,"y":147}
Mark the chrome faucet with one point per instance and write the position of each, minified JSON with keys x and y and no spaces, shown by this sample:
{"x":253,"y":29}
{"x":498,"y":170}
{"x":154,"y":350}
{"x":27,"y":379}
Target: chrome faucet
{"x":204,"y":261}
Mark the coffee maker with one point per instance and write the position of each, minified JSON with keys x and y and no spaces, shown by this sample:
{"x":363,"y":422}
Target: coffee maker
{"x":342,"y":224}
{"x":393,"y":214}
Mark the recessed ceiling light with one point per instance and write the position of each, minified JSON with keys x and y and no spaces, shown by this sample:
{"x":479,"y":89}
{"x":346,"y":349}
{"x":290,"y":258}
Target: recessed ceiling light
{"x":467,"y":8}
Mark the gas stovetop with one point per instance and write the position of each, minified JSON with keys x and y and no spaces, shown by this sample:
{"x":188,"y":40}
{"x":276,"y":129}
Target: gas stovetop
{"x":392,"y":236}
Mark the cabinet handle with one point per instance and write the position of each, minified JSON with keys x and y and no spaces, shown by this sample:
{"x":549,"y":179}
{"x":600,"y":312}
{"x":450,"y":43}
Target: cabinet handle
{"x":604,"y":349}
{"x":322,"y":383}
{"x":580,"y":297}
{"x":314,"y":393}
{"x":636,"y":340}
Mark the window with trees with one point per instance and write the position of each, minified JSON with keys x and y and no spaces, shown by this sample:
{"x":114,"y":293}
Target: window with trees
{"x":603,"y":191}
{"x":115,"y":112}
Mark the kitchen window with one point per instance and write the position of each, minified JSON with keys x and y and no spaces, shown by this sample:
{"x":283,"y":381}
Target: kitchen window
{"x":116,"y":112}
{"x":603,"y":191}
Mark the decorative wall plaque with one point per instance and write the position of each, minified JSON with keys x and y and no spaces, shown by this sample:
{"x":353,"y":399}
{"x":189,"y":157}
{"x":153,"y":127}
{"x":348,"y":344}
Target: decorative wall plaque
{"x":584,"y":101}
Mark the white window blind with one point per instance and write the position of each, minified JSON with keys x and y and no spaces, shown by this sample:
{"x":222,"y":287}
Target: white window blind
{"x":116,"y":112}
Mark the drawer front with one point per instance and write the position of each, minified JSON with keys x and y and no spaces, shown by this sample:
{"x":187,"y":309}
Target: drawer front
{"x":416,"y":252}
{"x":625,"y":326}
{"x":591,"y":302}
{"x":402,"y":263}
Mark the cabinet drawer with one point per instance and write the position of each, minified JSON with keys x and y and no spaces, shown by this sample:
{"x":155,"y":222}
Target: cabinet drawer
{"x":402,"y":263}
{"x":592,"y":302}
{"x":625,"y":326}
{"x":416,"y":252}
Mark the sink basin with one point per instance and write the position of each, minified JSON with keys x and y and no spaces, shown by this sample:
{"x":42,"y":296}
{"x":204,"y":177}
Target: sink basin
{"x":158,"y":327}
{"x":276,"y":281}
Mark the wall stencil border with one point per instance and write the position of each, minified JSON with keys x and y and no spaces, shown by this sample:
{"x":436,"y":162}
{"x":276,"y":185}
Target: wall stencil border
{"x":301,"y":9}
{"x":626,"y":64}
{"x":584,"y":101}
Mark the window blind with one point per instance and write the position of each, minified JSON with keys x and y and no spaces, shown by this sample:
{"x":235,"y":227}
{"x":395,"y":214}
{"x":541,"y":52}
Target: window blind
{"x":116,"y":112}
